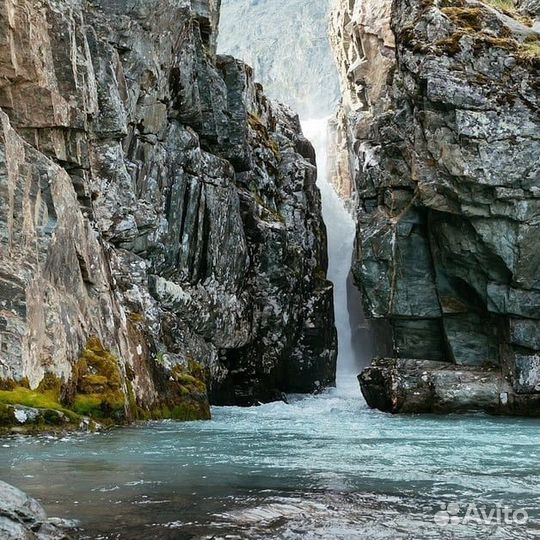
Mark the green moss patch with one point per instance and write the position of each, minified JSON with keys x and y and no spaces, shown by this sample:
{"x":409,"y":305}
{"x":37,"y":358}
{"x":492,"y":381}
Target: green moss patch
{"x":184,"y":396}
{"x":188,"y":396}
{"x":51,"y":413}
{"x":529,"y":52}
{"x":509,"y":8}
{"x":99,"y":391}
{"x":190,"y":411}
{"x":30,"y":398}
{"x":97,"y":394}
{"x":450,"y":45}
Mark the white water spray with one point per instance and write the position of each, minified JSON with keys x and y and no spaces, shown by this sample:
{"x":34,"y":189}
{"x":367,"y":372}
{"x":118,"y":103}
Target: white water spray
{"x":341,"y":232}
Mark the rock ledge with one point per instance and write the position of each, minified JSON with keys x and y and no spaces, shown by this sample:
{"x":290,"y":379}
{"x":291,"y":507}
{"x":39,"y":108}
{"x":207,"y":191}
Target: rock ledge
{"x":426,"y":386}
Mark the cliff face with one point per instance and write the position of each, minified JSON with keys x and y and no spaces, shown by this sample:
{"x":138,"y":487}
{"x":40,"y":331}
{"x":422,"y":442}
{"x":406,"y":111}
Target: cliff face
{"x":363,"y":46}
{"x":442,"y":120}
{"x":160,"y":227}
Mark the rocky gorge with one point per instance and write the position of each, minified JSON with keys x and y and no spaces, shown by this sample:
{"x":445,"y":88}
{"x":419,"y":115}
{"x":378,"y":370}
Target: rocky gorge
{"x":161,"y":240}
{"x":439,"y":131}
{"x":176,"y":245}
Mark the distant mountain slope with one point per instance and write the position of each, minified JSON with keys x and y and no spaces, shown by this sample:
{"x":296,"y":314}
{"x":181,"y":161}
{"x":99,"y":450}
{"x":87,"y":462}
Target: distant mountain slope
{"x":301,"y":71}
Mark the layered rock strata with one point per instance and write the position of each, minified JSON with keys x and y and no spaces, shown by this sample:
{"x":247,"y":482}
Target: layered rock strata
{"x":441,"y":115}
{"x":161,"y":237}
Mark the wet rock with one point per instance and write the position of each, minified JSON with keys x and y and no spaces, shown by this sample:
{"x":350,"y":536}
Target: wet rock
{"x":23,"y":518}
{"x":440,"y":120}
{"x":423,"y":386}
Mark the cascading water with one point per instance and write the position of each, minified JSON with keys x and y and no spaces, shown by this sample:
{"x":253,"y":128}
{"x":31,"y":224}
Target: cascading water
{"x":341,"y":232}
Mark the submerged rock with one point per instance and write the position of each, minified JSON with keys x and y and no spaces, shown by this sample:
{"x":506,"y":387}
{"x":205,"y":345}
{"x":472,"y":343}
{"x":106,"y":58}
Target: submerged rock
{"x":440,"y":119}
{"x":23,"y":518}
{"x":161,"y":235}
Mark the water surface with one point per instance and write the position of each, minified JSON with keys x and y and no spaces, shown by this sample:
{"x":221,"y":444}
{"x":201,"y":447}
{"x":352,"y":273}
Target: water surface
{"x":322,"y":467}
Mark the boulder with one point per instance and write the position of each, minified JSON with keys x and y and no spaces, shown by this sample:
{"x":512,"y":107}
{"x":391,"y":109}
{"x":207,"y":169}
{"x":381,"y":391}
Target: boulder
{"x":425,"y":386}
{"x":23,"y":518}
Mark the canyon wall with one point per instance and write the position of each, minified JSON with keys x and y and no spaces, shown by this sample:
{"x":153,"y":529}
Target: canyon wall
{"x":161,"y":238}
{"x":441,"y":120}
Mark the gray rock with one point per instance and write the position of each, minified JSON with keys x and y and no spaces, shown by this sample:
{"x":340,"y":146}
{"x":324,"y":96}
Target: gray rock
{"x":154,"y":201}
{"x":526,"y":374}
{"x":23,"y":518}
{"x":441,"y":124}
{"x":422,"y":386}
{"x":530,"y":6}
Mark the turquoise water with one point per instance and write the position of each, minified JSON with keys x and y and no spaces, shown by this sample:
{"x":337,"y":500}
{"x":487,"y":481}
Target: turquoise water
{"x":323,"y":467}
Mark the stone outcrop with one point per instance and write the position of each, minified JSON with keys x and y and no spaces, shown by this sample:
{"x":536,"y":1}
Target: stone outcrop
{"x":426,"y":386}
{"x":441,"y":115}
{"x":23,"y":518}
{"x":161,"y":237}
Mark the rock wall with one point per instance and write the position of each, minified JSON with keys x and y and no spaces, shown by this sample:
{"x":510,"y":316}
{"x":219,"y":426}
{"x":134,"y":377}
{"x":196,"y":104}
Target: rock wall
{"x":442,"y":120}
{"x":161,"y":235}
{"x":363,"y":45}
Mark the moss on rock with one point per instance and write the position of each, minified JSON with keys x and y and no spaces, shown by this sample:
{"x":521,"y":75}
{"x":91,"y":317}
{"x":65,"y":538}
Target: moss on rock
{"x":40,"y":398}
{"x":263,"y":136}
{"x":186,"y":396}
{"x":99,"y":391}
{"x":41,"y":408}
{"x":529,"y":52}
{"x":468,"y":18}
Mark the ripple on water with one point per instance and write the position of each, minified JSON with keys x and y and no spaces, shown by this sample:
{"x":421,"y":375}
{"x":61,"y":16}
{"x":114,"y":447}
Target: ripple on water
{"x":321,"y":467}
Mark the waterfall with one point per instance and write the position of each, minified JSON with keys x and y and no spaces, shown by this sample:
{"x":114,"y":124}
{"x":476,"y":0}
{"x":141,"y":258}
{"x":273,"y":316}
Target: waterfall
{"x":341,"y":233}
